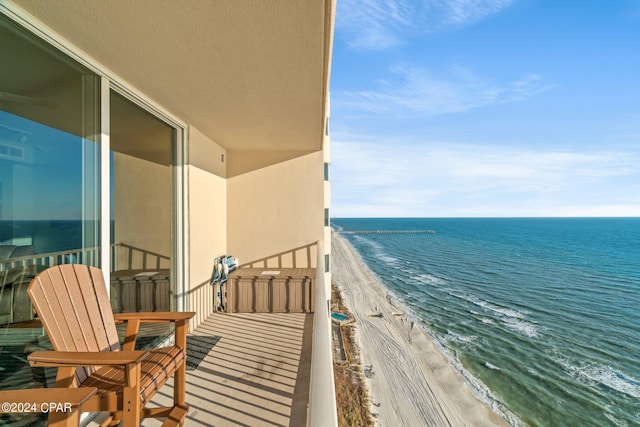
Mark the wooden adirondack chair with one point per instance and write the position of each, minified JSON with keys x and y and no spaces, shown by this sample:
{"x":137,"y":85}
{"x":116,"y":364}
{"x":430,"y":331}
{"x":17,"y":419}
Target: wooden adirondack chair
{"x":72,"y":303}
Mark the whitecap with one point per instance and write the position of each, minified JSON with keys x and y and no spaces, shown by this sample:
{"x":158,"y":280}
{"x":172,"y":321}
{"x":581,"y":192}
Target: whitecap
{"x":387,"y":259}
{"x":616,"y":422}
{"x":490,"y":366}
{"x":429,"y":279}
{"x":488,"y":306}
{"x":592,"y":373}
{"x":617,"y":381}
{"x":522,"y":327}
{"x":503,"y":311}
{"x":479,"y":389}
{"x":452,"y":337}
{"x":378,"y":251}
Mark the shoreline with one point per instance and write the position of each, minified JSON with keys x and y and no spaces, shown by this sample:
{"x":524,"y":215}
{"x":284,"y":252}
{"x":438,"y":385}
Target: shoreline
{"x":411,"y":381}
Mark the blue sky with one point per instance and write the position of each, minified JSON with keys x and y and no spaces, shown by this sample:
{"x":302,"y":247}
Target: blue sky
{"x":476,"y":108}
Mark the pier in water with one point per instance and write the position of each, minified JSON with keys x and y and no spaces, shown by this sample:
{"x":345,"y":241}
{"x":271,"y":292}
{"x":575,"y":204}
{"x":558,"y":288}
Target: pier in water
{"x":388,"y":232}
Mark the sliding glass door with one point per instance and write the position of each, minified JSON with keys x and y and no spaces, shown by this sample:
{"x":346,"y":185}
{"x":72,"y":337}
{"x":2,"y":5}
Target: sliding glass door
{"x":70,"y":165}
{"x":142,"y":149}
{"x":49,"y":189}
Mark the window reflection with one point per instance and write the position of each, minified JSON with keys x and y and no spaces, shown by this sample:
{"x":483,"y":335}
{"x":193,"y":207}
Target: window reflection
{"x":49,"y":181}
{"x":142,"y":148}
{"x":50,"y":197}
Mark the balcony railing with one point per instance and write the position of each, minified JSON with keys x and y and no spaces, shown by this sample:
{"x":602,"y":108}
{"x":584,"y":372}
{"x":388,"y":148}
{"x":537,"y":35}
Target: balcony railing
{"x":322,"y":404}
{"x":322,"y":396}
{"x":123,"y":257}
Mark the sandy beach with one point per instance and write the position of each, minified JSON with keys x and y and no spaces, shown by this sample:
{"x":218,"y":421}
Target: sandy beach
{"x":412,"y":383}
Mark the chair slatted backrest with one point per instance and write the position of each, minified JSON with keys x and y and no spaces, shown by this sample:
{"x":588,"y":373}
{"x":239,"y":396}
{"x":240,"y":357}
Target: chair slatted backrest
{"x":72,"y":303}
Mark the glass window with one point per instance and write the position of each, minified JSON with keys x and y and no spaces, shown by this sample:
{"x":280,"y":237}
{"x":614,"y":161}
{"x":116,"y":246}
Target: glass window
{"x":49,"y":188}
{"x":141,"y":183}
{"x":50,"y":209}
{"x":49,"y":168}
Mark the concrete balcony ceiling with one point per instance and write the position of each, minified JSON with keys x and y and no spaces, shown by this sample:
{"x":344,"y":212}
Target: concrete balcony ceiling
{"x":249,"y":74}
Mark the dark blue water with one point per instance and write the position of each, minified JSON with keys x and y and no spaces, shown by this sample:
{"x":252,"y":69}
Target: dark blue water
{"x":542,"y":315}
{"x":51,"y":235}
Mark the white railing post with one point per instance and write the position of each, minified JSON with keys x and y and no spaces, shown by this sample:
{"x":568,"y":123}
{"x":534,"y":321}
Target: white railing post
{"x":322,"y":393}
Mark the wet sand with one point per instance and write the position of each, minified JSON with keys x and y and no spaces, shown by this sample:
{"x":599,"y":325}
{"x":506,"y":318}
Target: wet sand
{"x":412,"y":383}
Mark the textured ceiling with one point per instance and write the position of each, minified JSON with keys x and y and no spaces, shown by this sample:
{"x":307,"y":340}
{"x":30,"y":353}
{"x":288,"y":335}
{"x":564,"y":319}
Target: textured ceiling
{"x":249,"y":74}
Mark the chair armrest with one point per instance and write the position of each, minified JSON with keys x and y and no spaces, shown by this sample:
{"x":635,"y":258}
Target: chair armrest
{"x":135,"y":319}
{"x":84,"y":358}
{"x":155,"y":316}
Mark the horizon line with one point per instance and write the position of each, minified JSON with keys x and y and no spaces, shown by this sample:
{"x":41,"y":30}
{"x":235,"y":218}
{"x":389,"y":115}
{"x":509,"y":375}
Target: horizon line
{"x":487,"y":217}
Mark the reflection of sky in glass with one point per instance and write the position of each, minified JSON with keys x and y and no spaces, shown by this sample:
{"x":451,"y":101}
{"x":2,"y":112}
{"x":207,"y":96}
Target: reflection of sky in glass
{"x":47,"y":183}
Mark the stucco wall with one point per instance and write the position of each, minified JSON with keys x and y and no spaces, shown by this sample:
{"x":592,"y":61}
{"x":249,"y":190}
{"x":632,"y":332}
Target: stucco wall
{"x":327,"y":205}
{"x":275,"y":209}
{"x":207,"y":222}
{"x":207,"y":218}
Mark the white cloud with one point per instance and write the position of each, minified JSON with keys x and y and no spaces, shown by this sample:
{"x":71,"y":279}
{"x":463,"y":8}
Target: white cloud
{"x":417,"y":92}
{"x":462,"y":12}
{"x":446,"y":179}
{"x":374,"y":24}
{"x":380,"y":24}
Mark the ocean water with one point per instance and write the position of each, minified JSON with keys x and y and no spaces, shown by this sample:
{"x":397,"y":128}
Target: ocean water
{"x":541,"y":315}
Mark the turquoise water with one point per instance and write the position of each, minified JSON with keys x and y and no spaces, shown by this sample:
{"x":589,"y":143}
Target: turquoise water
{"x":339,"y":317}
{"x":543,"y":315}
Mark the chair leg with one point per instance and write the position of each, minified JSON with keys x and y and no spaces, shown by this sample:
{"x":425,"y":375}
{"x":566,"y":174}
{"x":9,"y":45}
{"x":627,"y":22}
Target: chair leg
{"x":61,"y":419}
{"x":180,"y":376}
{"x":111,"y":421}
{"x":131,"y":404}
{"x":131,"y":407}
{"x":179,"y":385}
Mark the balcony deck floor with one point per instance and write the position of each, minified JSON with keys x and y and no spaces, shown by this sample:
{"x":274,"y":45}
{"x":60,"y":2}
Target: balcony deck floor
{"x":256,"y":374}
